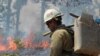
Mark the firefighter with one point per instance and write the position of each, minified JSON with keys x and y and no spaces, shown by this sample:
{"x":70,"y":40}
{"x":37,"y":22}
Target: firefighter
{"x":61,"y":42}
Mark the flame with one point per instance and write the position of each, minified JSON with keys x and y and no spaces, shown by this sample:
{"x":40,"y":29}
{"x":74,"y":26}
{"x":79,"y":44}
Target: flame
{"x":44,"y":44}
{"x":12,"y":44}
{"x":27,"y":42}
{"x":2,"y":47}
{"x":30,"y":44}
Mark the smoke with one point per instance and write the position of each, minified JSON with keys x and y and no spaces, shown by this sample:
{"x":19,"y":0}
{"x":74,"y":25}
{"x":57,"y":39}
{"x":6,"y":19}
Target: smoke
{"x":30,"y":17}
{"x":96,"y":4}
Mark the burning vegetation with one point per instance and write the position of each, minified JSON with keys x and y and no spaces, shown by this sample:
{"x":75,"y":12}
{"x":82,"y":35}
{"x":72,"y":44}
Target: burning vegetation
{"x":13,"y":45}
{"x":10,"y":45}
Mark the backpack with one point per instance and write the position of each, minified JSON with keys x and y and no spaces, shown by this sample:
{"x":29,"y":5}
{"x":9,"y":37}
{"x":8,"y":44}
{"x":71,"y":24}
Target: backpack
{"x":71,"y":32}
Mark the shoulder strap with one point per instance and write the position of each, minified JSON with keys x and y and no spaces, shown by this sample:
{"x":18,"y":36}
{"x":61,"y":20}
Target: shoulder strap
{"x":70,"y":31}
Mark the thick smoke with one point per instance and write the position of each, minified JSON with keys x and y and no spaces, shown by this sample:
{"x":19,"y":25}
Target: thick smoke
{"x":30,"y":17}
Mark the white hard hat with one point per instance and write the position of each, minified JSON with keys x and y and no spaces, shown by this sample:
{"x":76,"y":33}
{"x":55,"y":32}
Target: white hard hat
{"x":50,"y":14}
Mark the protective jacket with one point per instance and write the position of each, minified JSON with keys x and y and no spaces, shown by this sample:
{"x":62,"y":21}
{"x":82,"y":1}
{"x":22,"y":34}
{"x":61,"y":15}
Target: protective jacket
{"x":61,"y":42}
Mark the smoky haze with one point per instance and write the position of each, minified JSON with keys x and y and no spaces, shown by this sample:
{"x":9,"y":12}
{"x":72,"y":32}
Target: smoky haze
{"x":30,"y":17}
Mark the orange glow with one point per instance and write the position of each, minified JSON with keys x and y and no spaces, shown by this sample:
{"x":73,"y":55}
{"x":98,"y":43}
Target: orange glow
{"x":27,"y":42}
{"x":44,"y":44}
{"x":12,"y":45}
{"x":2,"y":47}
{"x":30,"y":44}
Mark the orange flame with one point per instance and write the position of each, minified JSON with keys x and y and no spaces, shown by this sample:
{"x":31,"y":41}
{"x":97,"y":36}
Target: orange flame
{"x":27,"y":42}
{"x":44,"y":44}
{"x":2,"y":47}
{"x":12,"y":44}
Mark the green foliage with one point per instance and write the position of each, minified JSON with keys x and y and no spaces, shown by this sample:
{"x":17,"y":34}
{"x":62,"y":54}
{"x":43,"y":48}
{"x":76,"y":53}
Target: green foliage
{"x":9,"y":54}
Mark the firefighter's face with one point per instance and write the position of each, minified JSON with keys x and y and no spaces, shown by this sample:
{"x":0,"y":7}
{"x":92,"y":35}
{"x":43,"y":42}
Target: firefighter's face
{"x":51,"y":25}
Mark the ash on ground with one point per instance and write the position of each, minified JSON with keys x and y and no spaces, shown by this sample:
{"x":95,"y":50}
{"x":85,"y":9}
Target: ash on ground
{"x":27,"y":52}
